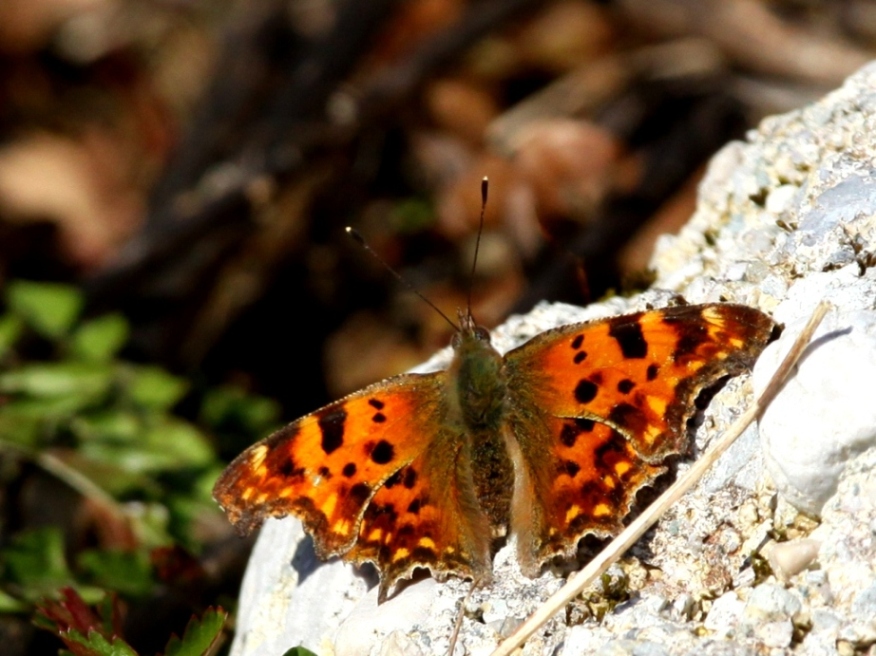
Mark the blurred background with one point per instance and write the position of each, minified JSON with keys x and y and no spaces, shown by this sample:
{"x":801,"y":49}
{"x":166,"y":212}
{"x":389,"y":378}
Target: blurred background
{"x":175,"y":179}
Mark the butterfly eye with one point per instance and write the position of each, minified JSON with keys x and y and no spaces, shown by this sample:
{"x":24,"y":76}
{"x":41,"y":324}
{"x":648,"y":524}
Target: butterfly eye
{"x":482,"y":334}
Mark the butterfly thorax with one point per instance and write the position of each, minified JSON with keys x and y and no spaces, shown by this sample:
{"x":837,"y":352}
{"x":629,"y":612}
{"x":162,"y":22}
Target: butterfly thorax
{"x":477,"y":379}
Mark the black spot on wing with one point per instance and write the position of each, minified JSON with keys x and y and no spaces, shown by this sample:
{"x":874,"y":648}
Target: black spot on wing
{"x":383,"y":453}
{"x":651,"y":374}
{"x":377,"y":404}
{"x":414,"y":507}
{"x":585,"y":391}
{"x":331,"y":425}
{"x":585,"y":425}
{"x":690,"y":341}
{"x":580,"y":356}
{"x":593,"y":493}
{"x":572,"y":428}
{"x":692,"y":332}
{"x":410,"y":478}
{"x":359,"y":493}
{"x":610,"y":451}
{"x":625,"y":386}
{"x":568,"y":435}
{"x":423,"y":554}
{"x":378,"y":418}
{"x":385,"y":513}
{"x":628,"y":416}
{"x":349,"y":469}
{"x":577,"y":341}
{"x":288,"y":469}
{"x":628,"y":333}
{"x":407,"y":530}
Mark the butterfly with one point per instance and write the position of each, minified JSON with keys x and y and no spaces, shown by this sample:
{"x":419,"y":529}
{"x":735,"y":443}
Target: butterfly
{"x":550,"y":442}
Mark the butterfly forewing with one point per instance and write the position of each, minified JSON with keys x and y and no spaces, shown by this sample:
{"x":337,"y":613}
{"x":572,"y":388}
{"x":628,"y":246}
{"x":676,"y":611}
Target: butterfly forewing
{"x":605,"y":402}
{"x":325,"y":467}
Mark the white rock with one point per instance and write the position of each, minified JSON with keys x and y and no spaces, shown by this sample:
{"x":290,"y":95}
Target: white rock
{"x":725,"y":615}
{"x":289,"y":597}
{"x":771,"y":602}
{"x":369,"y":624}
{"x":789,"y":558}
{"x":825,"y":414}
{"x":777,"y":633}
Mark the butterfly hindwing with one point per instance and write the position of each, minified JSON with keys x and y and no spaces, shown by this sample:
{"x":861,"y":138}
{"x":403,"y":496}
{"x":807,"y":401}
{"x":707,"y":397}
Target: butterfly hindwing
{"x":419,"y":519}
{"x":604,"y":403}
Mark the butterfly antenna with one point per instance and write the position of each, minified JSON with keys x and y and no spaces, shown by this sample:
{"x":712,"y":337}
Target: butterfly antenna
{"x":485,"y":187}
{"x":359,"y":239}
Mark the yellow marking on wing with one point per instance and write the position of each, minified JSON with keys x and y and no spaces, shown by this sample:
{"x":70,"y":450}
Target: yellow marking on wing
{"x":572,"y":513}
{"x":601,"y":510}
{"x":622,"y":467}
{"x":427,"y":543}
{"x":400,"y":554}
{"x":609,"y":481}
{"x":257,"y":455}
{"x":375,"y":535}
{"x":651,"y":434}
{"x":328,"y":506}
{"x":713,"y":315}
{"x":657,"y":405}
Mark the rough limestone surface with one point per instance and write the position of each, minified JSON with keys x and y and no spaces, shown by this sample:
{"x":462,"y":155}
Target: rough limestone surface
{"x":785,"y":219}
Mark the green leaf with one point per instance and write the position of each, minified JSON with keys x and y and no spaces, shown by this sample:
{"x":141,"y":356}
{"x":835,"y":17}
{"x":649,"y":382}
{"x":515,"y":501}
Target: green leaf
{"x":22,"y":429}
{"x":50,"y":309}
{"x":108,"y":425}
{"x":169,"y":445}
{"x":35,"y":560}
{"x":201,"y":635}
{"x":96,"y":644}
{"x":10,"y":330}
{"x":202,"y":486}
{"x":298,"y":651}
{"x":113,"y":478}
{"x":100,"y":339}
{"x":82,"y":380}
{"x":9,"y":604}
{"x":151,"y":524}
{"x":127,"y":572}
{"x":153,"y":388}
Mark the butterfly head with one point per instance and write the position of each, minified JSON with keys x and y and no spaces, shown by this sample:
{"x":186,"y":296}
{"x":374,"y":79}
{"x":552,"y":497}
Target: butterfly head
{"x":469,"y":331}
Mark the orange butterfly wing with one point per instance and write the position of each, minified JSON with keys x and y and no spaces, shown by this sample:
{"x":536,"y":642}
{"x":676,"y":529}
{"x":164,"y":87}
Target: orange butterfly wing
{"x":377,"y":476}
{"x":597,"y":406}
